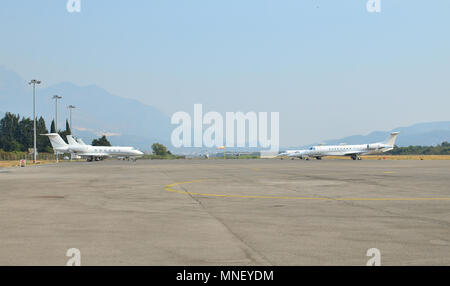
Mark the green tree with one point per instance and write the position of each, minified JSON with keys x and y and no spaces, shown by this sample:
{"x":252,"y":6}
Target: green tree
{"x":52,"y":127}
{"x":42,"y":142}
{"x":26,"y":133}
{"x":442,"y":149}
{"x":102,"y":141}
{"x":17,"y":135}
{"x":66,"y":132}
{"x":159,"y":149}
{"x":9,"y":132}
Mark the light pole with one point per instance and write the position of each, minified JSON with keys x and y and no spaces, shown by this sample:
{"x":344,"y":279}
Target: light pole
{"x":70,"y":109}
{"x":34,"y":82}
{"x":56,"y":97}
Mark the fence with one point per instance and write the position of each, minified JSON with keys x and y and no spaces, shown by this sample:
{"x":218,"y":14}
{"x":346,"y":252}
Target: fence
{"x":6,"y":156}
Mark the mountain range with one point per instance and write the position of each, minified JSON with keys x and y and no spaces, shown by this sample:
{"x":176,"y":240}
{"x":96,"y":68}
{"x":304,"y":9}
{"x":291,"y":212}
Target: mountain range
{"x":125,"y":121}
{"x":132,"y":123}
{"x":422,"y":134}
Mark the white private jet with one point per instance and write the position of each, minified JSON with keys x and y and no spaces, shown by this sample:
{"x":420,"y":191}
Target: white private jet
{"x":88,"y":151}
{"x":354,"y":151}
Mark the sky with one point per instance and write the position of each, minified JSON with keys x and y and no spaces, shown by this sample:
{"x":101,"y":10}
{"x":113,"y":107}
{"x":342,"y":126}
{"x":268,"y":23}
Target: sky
{"x":330,"y":68}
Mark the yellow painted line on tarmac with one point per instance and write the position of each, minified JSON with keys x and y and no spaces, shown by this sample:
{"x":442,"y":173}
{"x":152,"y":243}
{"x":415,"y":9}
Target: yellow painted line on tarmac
{"x":169,"y":188}
{"x":389,"y":172}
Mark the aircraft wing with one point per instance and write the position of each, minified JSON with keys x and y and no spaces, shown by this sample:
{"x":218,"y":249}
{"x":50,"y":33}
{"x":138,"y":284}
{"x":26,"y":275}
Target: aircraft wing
{"x":92,"y":154}
{"x":349,"y":153}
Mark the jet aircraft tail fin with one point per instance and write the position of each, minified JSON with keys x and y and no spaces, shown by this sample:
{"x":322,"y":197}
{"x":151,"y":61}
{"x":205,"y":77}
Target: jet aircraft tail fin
{"x":391,"y":139}
{"x":56,"y":140}
{"x":71,"y":140}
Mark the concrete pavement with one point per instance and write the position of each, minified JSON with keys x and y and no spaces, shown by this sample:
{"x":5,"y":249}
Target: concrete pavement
{"x":226,"y":212}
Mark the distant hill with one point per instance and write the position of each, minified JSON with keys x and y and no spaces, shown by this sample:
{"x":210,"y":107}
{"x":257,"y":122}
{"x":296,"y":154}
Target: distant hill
{"x":422,"y":134}
{"x":127,"y":121}
{"x":130,"y":122}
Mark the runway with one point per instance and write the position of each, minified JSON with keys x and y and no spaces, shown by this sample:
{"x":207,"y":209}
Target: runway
{"x":227,"y":212}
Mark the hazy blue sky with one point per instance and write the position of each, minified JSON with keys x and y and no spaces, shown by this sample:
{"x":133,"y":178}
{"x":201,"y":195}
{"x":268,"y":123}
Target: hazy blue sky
{"x":329,"y":67}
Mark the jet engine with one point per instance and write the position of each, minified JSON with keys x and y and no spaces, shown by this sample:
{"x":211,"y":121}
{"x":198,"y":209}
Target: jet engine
{"x":374,"y":146}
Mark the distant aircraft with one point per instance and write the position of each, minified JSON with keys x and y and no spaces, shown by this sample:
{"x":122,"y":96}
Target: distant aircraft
{"x":353,"y":151}
{"x":90,"y":152}
{"x":301,"y":154}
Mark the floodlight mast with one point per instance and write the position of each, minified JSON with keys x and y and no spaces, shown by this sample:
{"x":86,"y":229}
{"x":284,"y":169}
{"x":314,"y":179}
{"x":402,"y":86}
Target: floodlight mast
{"x":34,"y":82}
{"x":56,"y":97}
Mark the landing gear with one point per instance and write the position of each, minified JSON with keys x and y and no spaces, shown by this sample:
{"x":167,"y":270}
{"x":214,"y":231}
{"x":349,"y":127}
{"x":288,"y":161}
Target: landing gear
{"x":92,"y":158}
{"x":319,"y":158}
{"x":356,"y":157}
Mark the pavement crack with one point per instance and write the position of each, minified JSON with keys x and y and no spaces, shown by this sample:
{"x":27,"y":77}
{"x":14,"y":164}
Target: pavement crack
{"x":251,"y":253}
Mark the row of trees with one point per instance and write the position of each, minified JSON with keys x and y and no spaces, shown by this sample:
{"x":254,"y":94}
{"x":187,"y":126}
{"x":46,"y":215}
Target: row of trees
{"x":16,"y":134}
{"x":61,"y":132}
{"x":442,"y":149}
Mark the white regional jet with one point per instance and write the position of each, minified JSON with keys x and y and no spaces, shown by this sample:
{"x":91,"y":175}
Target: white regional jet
{"x":354,"y":151}
{"x":91,"y":153}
